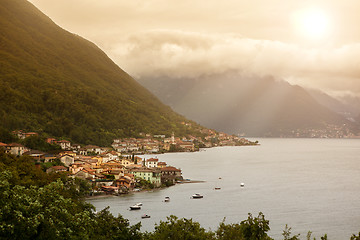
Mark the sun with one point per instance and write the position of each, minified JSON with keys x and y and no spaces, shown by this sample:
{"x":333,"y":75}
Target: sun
{"x":312,"y":23}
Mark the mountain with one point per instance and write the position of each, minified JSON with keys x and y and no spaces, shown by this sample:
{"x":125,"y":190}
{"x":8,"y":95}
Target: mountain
{"x":57,"y":83}
{"x":256,"y":106}
{"x":347,"y":105}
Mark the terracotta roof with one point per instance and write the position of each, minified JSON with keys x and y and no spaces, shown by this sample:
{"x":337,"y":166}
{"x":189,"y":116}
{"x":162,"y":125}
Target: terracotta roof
{"x":141,"y":170}
{"x":59,"y":167}
{"x":170,"y":169}
{"x":15,"y":145}
{"x":152,"y":160}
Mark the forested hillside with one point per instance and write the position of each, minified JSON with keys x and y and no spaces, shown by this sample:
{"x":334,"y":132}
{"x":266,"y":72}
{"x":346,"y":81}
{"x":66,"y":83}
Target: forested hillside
{"x":58,"y":83}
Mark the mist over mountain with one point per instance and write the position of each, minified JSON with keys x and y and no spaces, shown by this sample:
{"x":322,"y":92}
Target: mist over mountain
{"x":346,"y":105}
{"x":55,"y":82}
{"x":236,"y":103}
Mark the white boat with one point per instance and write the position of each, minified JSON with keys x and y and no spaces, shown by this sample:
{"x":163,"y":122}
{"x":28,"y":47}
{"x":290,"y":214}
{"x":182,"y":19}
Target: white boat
{"x":145,"y":216}
{"x":242,"y":184}
{"x":139,"y":204}
{"x":135,"y":207}
{"x":197,"y":195}
{"x":167,"y":199}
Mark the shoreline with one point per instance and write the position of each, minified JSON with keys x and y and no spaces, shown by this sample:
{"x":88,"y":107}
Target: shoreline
{"x":104,"y":195}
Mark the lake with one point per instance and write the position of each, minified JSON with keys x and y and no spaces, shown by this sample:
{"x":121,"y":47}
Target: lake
{"x":309,"y":184}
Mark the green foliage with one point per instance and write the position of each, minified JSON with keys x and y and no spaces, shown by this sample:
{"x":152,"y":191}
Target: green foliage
{"x":250,"y":229}
{"x":6,"y":136}
{"x":354,"y":237}
{"x":287,"y":234}
{"x":110,"y":227}
{"x":23,"y":171}
{"x":46,"y":213}
{"x":145,"y":184}
{"x":255,"y":228}
{"x":39,"y":143}
{"x":179,"y":229}
{"x":167,"y":183}
{"x":57,"y":83}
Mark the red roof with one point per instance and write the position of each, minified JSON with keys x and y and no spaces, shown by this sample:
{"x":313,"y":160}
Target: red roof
{"x":59,"y":167}
{"x":170,"y":169}
{"x":15,"y":145}
{"x":152,"y":160}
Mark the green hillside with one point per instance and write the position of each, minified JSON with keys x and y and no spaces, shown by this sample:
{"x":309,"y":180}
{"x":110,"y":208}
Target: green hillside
{"x":58,"y":83}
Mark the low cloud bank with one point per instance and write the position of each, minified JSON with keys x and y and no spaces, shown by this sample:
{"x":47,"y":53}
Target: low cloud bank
{"x":160,"y":53}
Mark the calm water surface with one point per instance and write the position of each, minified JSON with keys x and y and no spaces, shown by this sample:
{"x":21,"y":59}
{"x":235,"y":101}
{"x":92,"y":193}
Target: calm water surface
{"x":309,"y":184}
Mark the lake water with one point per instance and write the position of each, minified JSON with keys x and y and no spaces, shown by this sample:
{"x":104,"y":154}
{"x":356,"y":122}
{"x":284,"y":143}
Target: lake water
{"x":309,"y":184}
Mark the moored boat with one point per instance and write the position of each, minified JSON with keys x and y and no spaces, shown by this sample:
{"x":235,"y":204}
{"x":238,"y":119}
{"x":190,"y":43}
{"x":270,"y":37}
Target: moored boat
{"x":197,"y":195}
{"x":167,"y":199}
{"x":135,"y":207}
{"x":145,"y":216}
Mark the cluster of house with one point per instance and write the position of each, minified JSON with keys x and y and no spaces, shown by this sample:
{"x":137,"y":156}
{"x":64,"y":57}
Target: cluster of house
{"x":108,"y":170}
{"x":114,"y":173}
{"x":159,"y":143}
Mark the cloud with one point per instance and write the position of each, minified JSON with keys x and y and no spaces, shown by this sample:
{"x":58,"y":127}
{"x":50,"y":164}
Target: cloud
{"x":189,"y":54}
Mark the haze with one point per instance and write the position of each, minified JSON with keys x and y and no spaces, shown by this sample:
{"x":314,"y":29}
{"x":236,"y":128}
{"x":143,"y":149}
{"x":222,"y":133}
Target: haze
{"x":311,"y":43}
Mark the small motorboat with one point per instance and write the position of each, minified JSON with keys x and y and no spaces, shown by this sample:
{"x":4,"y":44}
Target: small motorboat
{"x":217,"y":188}
{"x":197,"y":195}
{"x":242,"y":184}
{"x":167,"y":199}
{"x":145,"y":216}
{"x":135,"y":207}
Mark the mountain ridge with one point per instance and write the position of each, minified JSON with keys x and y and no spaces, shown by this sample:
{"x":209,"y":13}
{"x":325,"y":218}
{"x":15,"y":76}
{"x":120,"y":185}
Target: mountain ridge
{"x":250,"y":105}
{"x":58,"y":83}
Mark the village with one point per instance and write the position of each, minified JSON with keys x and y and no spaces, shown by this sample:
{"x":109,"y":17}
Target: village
{"x":120,"y":169}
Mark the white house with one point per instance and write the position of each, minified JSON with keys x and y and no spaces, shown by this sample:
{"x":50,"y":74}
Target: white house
{"x":151,"y":163}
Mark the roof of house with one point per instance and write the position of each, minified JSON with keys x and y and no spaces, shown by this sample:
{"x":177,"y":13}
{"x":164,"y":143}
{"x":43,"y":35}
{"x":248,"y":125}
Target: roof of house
{"x":15,"y":145}
{"x":141,"y":170}
{"x":58,"y":168}
{"x":170,"y":169}
{"x":34,"y":152}
{"x":152,"y":160}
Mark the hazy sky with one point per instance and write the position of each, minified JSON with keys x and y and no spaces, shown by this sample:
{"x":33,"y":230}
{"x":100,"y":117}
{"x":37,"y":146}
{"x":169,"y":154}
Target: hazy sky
{"x":311,"y":43}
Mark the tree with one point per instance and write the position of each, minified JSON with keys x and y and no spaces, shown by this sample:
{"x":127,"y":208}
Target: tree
{"x":39,"y":143}
{"x":179,"y":229}
{"x":354,"y":237}
{"x":250,"y":229}
{"x":50,"y":212}
{"x":110,"y":227}
{"x":287,"y":234}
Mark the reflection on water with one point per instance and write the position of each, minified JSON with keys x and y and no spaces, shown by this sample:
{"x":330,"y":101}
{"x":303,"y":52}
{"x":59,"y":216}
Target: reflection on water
{"x":309,"y":184}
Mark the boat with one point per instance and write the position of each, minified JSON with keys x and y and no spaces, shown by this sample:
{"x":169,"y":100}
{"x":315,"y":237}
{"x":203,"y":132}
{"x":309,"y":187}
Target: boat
{"x":242,"y":184}
{"x":139,"y":204}
{"x":167,"y":199}
{"x":217,"y":188}
{"x":145,"y":216}
{"x":135,"y":207}
{"x":197,"y":195}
